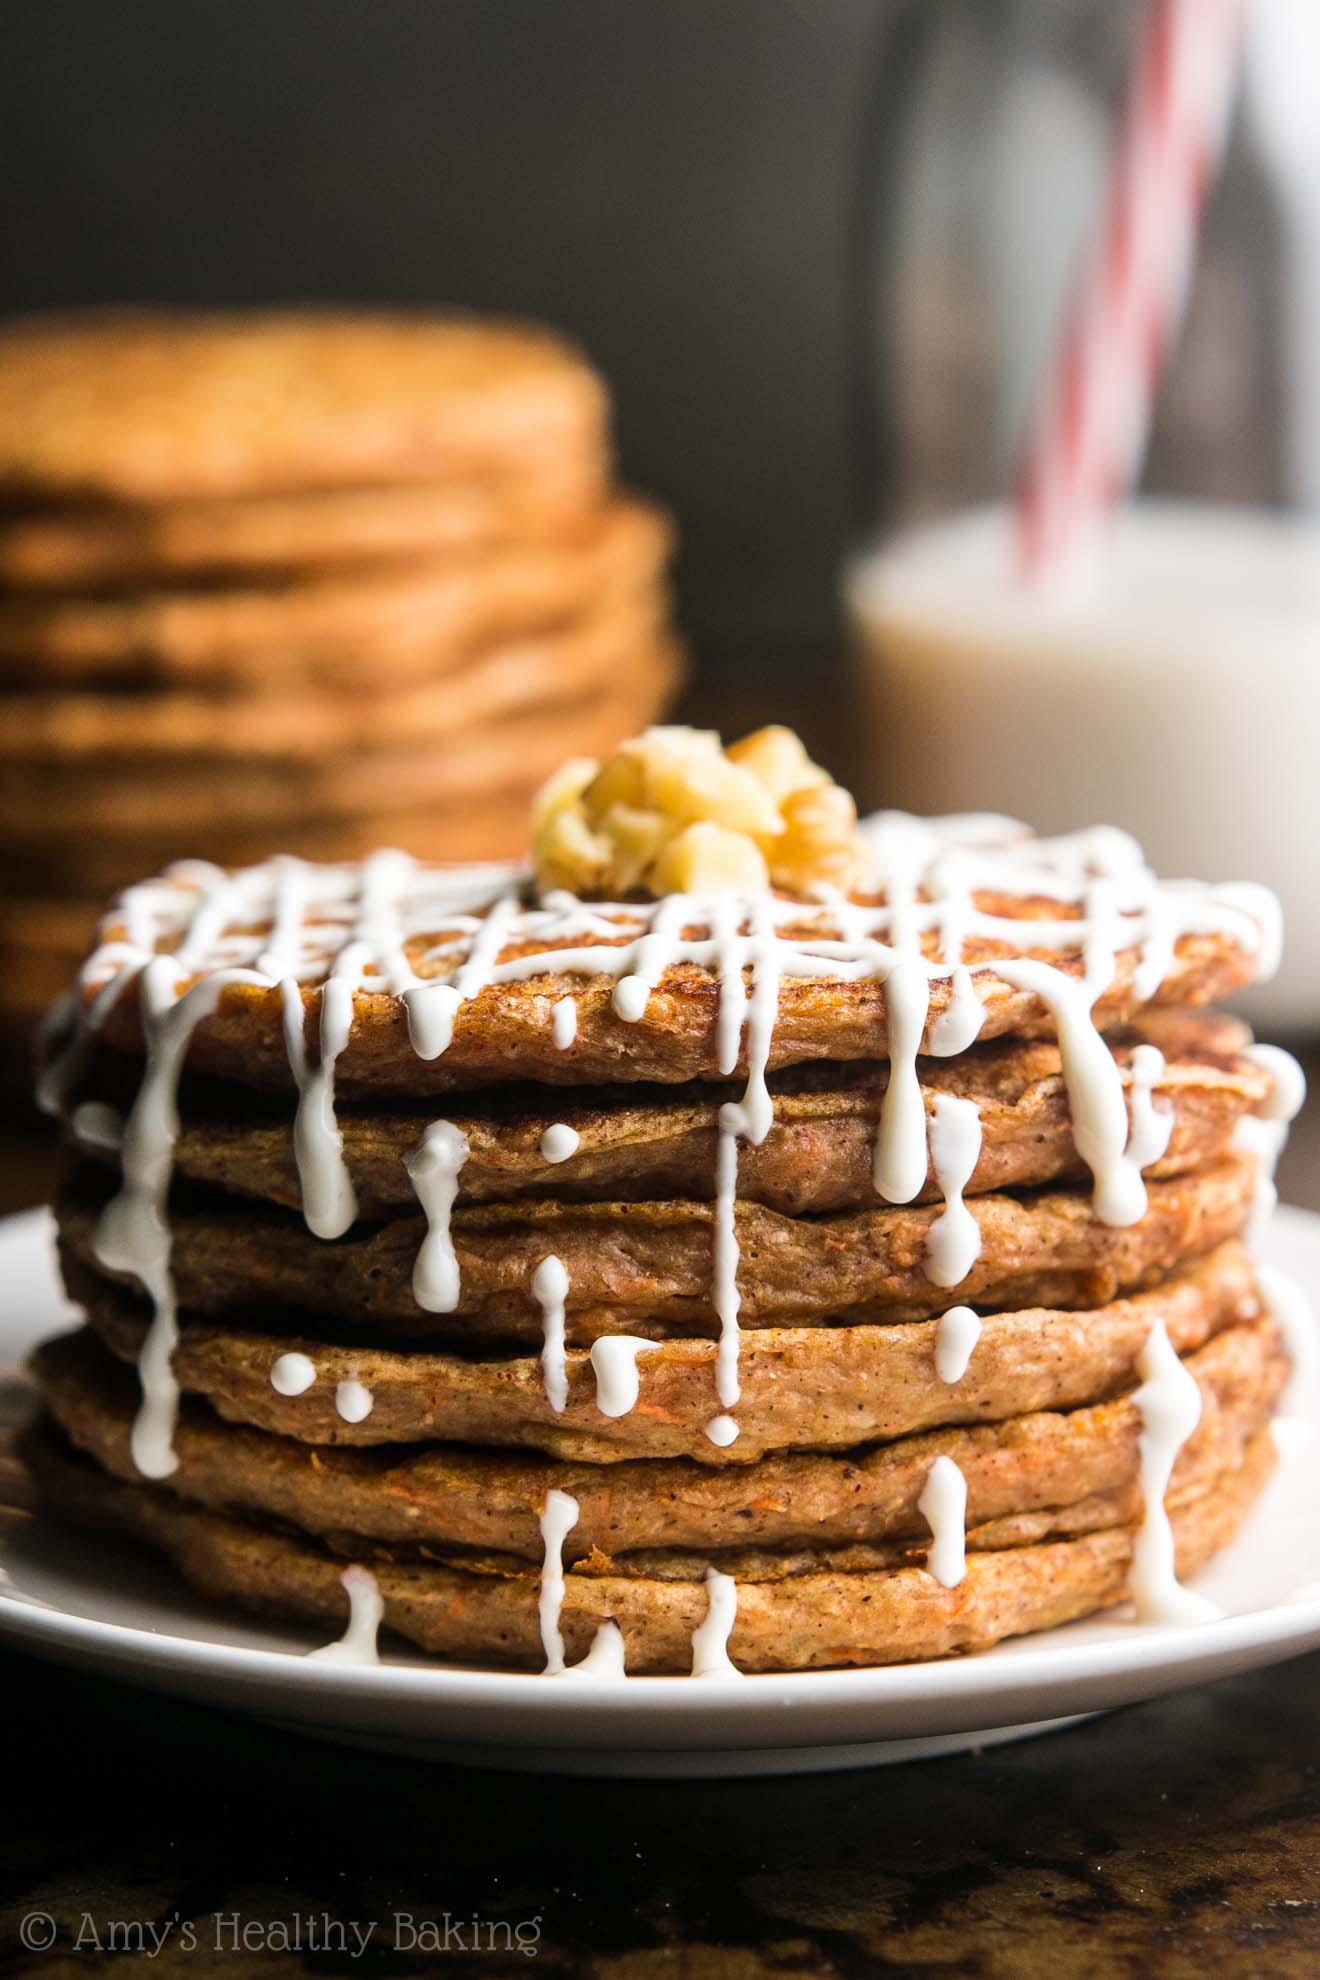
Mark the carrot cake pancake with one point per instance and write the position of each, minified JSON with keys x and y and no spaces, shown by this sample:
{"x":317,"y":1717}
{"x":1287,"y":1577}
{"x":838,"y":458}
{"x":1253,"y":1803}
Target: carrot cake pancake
{"x":743,"y":1239}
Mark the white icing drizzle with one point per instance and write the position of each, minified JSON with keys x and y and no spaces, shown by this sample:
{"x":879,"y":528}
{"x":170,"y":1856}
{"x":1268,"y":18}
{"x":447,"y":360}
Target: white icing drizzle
{"x":560,"y":1141}
{"x":606,"y":1658}
{"x":1264,"y":1133}
{"x":943,"y":1505}
{"x":726,"y":1297}
{"x":710,"y":1638}
{"x":365,"y":1609}
{"x":434,"y":1167}
{"x":1094,"y":1083}
{"x":614,"y":1364}
{"x":722,"y":1431}
{"x":1292,"y":1312}
{"x":133,"y":1232}
{"x":550,"y":1288}
{"x":292,"y":1375}
{"x":563,"y":1023}
{"x":1170,"y":1406}
{"x":959,"y":1025}
{"x":1287,"y":1083}
{"x":1151,"y":1125}
{"x":435,"y":937}
{"x":353,"y":1401}
{"x":955,"y":1341}
{"x":96,"y":1125}
{"x":557,"y":1522}
{"x":953,"y":1243}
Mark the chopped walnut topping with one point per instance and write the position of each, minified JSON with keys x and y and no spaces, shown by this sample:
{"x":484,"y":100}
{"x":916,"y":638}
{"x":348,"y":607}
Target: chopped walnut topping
{"x":674,"y":812}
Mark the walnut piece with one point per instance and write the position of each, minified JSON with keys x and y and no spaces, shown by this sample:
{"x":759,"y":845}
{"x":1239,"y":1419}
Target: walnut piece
{"x":674,"y":812}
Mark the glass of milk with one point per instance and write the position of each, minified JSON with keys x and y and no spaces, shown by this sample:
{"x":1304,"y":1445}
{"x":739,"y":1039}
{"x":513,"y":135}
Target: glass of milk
{"x":1171,"y":684}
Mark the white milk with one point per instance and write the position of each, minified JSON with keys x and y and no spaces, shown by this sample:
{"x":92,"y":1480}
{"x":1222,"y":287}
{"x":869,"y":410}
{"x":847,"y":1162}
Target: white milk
{"x":1171,"y":687}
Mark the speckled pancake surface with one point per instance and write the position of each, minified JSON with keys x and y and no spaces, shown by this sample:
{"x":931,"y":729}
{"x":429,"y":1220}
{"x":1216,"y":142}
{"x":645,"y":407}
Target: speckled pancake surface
{"x":812,"y":1619}
{"x":149,"y":406}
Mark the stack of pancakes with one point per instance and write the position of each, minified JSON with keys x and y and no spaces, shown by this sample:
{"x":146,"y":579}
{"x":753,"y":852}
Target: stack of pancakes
{"x":669,"y":1282}
{"x":305,"y":580}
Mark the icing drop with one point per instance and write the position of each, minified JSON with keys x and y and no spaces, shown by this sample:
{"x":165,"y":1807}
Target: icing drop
{"x":550,"y":1288}
{"x":943,"y":1505}
{"x":1094,"y":1083}
{"x":710,"y":1639}
{"x":559,"y":1142}
{"x":1291,"y":1310}
{"x":353,"y":1402}
{"x":133,"y":1232}
{"x":557,"y":1522}
{"x":614,"y":1363}
{"x":955,"y":1341}
{"x":722,"y":1431}
{"x":1263,"y":1134}
{"x":605,"y":1659}
{"x":1170,"y":1406}
{"x":292,"y":1374}
{"x":953,"y":1243}
{"x":97,"y":1126}
{"x":563,"y":1023}
{"x":365,"y":1609}
{"x":900,"y":1145}
{"x":431,"y":1009}
{"x":1287,"y":1083}
{"x":1151,"y":1125}
{"x":959,"y":1025}
{"x":434,"y":1166}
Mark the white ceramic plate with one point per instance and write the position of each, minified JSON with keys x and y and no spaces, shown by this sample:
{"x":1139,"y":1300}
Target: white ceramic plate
{"x":121,"y":1614}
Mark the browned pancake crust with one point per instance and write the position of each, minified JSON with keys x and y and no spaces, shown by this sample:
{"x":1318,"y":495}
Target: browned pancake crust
{"x":226,"y":808}
{"x":119,"y":545}
{"x":803,"y":1620}
{"x":541,"y":669}
{"x":438,"y":1497}
{"x":149,"y":406}
{"x":645,"y":1268}
{"x":399,"y":625}
{"x":202,"y":796}
{"x":505,"y":1031}
{"x":816,"y":1388}
{"x":639,"y":1144}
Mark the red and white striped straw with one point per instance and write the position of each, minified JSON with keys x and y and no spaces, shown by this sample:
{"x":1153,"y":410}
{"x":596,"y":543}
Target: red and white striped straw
{"x":1088,"y":447}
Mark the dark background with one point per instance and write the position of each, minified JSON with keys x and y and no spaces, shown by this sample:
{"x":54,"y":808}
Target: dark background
{"x":672,"y":183}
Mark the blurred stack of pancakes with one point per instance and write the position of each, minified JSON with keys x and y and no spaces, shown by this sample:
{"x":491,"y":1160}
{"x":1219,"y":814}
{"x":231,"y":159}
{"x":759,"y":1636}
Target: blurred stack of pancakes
{"x":308,"y":579}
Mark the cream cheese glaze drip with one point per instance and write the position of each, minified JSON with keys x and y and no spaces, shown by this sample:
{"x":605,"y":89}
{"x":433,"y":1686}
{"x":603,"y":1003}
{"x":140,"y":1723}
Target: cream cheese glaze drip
{"x":365,"y":1610}
{"x":437,"y":937}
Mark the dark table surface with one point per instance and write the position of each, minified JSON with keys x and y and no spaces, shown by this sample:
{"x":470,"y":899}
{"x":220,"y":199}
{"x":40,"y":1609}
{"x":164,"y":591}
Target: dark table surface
{"x":1175,"y":1839}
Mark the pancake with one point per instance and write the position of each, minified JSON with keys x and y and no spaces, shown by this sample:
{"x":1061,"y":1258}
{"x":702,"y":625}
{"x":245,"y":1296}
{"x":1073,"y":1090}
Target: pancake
{"x":505,"y":1030}
{"x":401,"y":625}
{"x":120,"y":545}
{"x":211,"y":800}
{"x":153,"y":406}
{"x":803,"y":1388}
{"x":640,"y":1144}
{"x":439,"y":1497}
{"x":87,"y":732}
{"x":813,"y":1618}
{"x":645,"y":1268}
{"x":958,"y":1233}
